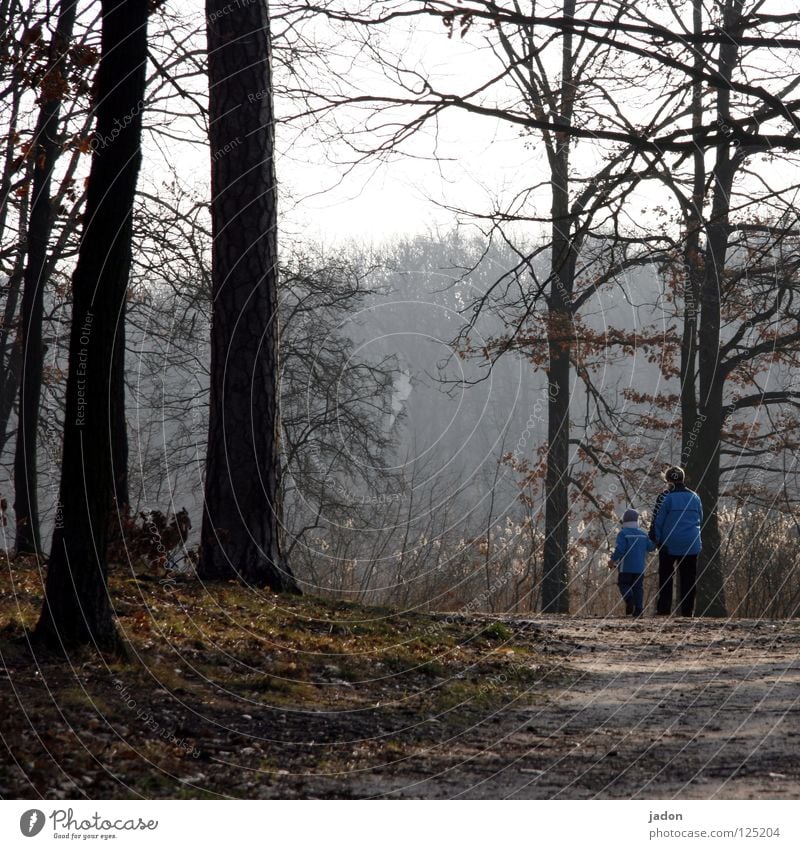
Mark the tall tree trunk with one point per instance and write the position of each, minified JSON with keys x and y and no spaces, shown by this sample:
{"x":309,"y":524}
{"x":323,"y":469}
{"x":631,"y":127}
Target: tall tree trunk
{"x":692,"y":267}
{"x":45,"y":153}
{"x":555,"y":595}
{"x":555,"y":579}
{"x":9,"y":350}
{"x":710,"y":600}
{"x":240,"y":534}
{"x":118,"y":424}
{"x":710,"y":586}
{"x":705,"y":465}
{"x":10,"y":353}
{"x":77,"y":608}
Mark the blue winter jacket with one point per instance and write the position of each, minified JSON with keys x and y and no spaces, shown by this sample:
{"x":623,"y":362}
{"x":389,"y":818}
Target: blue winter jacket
{"x":678,"y":522}
{"x":632,"y":546}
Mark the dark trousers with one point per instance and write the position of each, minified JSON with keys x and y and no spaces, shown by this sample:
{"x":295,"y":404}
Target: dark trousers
{"x":631,"y":585}
{"x":687,"y":580}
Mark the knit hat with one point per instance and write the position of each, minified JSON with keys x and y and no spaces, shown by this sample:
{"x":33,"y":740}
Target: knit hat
{"x":630,"y":515}
{"x":675,"y":474}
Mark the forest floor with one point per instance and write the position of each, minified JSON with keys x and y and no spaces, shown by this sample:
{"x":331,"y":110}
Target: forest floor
{"x":230,"y":692}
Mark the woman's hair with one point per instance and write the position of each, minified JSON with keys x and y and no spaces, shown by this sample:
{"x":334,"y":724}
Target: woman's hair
{"x":674,"y":474}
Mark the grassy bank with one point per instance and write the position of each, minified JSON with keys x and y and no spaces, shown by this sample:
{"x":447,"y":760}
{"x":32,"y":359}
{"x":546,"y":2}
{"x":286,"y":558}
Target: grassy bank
{"x":234,"y":692}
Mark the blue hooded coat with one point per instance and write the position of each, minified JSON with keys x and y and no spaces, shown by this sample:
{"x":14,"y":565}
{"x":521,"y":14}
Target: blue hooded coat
{"x":631,"y":548}
{"x":678,"y":522}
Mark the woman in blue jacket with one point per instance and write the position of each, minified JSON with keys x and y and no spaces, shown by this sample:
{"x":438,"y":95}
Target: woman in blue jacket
{"x":677,"y":529}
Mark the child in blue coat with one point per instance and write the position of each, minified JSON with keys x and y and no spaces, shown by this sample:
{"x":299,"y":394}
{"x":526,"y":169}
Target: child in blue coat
{"x":630,"y":555}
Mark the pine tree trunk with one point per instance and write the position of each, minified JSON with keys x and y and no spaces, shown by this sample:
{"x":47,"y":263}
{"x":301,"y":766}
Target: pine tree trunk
{"x":240,"y":534}
{"x":45,"y":153}
{"x":77,"y":608}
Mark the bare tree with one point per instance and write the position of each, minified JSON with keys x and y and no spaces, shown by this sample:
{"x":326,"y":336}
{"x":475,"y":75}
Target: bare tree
{"x":77,"y":608}
{"x":722,"y":55}
{"x":45,"y":152}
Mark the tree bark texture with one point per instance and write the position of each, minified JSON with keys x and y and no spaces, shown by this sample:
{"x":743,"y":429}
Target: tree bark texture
{"x":45,"y":152}
{"x":705,"y":463}
{"x":555,"y":580}
{"x":77,"y":608}
{"x":241,"y":520}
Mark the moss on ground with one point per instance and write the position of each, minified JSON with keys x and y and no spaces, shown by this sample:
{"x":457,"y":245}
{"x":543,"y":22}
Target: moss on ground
{"x":229,"y":690}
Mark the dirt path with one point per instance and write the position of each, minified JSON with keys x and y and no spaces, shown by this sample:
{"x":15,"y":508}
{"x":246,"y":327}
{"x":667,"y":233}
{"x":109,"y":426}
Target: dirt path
{"x":320,"y":698}
{"x":651,"y":709}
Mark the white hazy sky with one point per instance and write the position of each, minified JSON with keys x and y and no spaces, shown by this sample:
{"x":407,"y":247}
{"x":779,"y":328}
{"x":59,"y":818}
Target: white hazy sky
{"x":479,"y":161}
{"x":405,"y":195}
